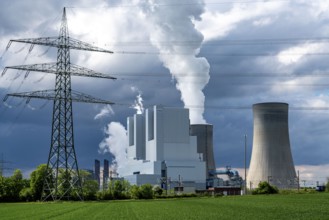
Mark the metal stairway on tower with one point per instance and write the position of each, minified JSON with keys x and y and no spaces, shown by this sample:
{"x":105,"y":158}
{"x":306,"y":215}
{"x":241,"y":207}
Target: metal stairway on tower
{"x":62,"y":180}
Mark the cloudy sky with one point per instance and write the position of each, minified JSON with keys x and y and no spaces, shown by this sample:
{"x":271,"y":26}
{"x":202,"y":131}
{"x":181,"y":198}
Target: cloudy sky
{"x":216,"y":57}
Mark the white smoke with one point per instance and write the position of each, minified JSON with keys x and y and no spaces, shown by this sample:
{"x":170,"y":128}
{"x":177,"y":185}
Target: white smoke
{"x":173,"y":32}
{"x":138,"y":105}
{"x":105,"y":111}
{"x":115,"y":143}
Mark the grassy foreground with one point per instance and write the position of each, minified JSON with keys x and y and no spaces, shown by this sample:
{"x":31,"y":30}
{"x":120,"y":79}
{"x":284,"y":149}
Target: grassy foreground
{"x":296,"y":206}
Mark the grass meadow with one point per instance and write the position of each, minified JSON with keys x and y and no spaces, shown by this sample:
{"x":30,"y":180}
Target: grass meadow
{"x":294,"y":206}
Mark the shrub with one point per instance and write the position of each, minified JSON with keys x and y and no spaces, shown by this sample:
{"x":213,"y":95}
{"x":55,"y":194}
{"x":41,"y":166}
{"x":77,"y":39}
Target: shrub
{"x":134,"y":192}
{"x":146,"y":191}
{"x":157,"y":190}
{"x":265,"y":188}
{"x":26,"y":194}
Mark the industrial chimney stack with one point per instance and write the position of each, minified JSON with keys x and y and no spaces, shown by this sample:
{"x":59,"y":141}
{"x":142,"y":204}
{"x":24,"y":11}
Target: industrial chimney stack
{"x":271,"y":158}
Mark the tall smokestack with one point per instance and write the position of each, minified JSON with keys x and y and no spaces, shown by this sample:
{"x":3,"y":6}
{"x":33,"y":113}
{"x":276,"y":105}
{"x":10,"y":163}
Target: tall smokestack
{"x":271,"y":158}
{"x":97,"y":171}
{"x":204,"y":133}
{"x":105,"y":173}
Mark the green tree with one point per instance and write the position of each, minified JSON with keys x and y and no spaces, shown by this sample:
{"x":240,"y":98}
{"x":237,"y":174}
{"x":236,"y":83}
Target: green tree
{"x":36,"y":181}
{"x":2,"y":188}
{"x":89,"y":185}
{"x":10,"y":187}
{"x":17,"y":184}
{"x":327,"y":185}
{"x":64,"y":179}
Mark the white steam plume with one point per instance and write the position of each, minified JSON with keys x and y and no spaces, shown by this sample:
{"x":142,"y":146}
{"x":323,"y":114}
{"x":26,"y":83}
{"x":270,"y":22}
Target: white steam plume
{"x":138,"y":105}
{"x":174,"y":34}
{"x":115,"y":143}
{"x":105,"y":111}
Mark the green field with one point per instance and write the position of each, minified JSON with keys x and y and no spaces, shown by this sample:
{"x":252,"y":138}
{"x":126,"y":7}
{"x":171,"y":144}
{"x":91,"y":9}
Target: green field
{"x":297,"y":206}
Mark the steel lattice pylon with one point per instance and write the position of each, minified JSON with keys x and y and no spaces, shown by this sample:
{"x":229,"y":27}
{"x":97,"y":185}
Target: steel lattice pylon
{"x":62,"y":180}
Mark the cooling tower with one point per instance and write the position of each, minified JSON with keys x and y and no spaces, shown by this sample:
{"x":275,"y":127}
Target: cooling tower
{"x":271,"y":158}
{"x":204,"y":133}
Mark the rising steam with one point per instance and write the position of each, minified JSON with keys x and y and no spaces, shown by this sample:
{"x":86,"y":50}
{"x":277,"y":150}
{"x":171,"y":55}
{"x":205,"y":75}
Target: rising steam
{"x":138,"y":104}
{"x":173,"y":33}
{"x":105,"y":111}
{"x":115,"y":143}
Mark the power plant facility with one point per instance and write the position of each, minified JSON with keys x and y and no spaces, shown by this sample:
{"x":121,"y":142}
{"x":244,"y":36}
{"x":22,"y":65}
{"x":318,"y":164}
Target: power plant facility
{"x":271,"y":158}
{"x":164,"y":149}
{"x":161,"y":150}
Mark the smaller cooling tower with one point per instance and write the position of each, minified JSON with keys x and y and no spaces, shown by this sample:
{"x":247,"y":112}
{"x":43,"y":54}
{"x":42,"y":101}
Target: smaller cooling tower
{"x":204,"y":134}
{"x":271,"y":158}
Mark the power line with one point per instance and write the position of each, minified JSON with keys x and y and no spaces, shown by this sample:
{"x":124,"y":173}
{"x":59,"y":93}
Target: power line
{"x":231,"y":107}
{"x":222,"y":54}
{"x":186,"y":4}
{"x":215,"y":74}
{"x":256,"y":41}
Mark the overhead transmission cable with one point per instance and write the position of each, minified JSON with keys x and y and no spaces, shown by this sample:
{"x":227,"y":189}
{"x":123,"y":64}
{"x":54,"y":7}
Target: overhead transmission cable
{"x":186,"y":4}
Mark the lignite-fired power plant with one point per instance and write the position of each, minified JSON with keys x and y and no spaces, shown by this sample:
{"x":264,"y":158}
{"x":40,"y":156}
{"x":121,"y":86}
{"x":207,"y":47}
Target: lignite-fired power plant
{"x":164,"y":149}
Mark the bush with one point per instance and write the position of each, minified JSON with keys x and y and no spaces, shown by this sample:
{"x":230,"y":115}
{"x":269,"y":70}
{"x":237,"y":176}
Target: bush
{"x":146,"y":192}
{"x":104,"y":195}
{"x":134,"y":192}
{"x":141,"y":192}
{"x":157,"y":190}
{"x":265,"y":188}
{"x":26,"y":194}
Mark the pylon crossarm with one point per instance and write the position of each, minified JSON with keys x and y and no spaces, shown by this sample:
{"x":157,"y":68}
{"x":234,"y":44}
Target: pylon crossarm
{"x":44,"y":67}
{"x":82,"y":71}
{"x":81,"y":97}
{"x":75,"y":70}
{"x":50,"y":95}
{"x":47,"y":41}
{"x":80,"y":45}
{"x":70,"y":43}
{"x":44,"y":94}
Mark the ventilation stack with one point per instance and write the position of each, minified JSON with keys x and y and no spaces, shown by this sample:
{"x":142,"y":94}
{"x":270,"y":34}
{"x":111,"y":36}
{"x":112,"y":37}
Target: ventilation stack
{"x":271,"y":158}
{"x":204,"y":134}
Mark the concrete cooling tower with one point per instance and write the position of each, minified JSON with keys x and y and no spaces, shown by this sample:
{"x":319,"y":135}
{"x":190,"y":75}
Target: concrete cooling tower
{"x":271,"y":158}
{"x":204,"y":134}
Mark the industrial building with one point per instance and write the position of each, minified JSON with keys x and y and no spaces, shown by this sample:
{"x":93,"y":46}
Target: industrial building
{"x":271,"y":158}
{"x":163,"y":151}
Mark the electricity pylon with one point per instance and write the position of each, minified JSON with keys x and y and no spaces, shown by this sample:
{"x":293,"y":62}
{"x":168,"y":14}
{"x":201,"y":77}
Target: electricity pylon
{"x":62,"y":179}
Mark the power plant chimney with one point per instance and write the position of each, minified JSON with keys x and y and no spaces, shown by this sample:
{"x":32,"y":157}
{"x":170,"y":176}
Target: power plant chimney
{"x":204,"y":134}
{"x":97,"y":171}
{"x":271,"y":158}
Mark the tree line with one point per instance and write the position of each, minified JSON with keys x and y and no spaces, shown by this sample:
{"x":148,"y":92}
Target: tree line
{"x":15,"y":188}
